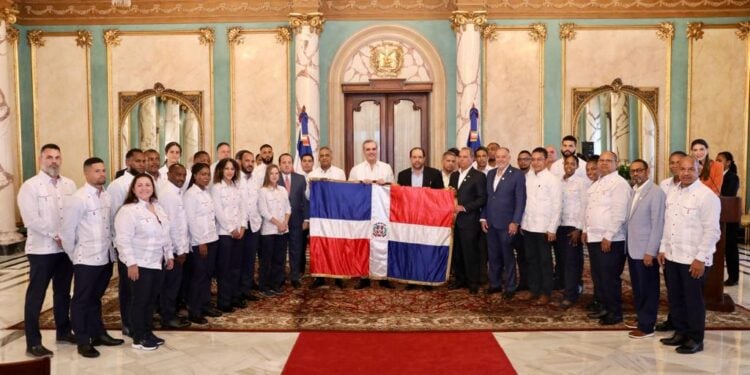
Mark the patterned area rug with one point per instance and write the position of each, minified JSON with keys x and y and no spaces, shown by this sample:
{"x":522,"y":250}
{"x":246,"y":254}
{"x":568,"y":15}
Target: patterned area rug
{"x":377,"y":309}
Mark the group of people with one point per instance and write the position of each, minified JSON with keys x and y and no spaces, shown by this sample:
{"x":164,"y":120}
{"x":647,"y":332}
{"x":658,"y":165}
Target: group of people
{"x":172,"y":230}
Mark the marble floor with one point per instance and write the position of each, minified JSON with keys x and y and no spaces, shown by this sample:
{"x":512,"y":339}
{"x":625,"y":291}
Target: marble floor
{"x":726,"y":352}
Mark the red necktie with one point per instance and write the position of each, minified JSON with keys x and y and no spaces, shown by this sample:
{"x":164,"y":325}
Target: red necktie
{"x":287,"y":184}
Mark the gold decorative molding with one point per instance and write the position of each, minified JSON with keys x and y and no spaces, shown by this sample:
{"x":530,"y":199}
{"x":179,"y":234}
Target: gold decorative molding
{"x":9,"y":14}
{"x":11,"y":34}
{"x":695,"y":30}
{"x":192,"y":100}
{"x":567,"y":31}
{"x":314,"y":20}
{"x":387,"y":59}
{"x":112,"y":37}
{"x":665,"y":31}
{"x":284,"y":34}
{"x":207,"y":36}
{"x":743,"y":29}
{"x":649,"y":96}
{"x":538,"y":32}
{"x":460,"y":18}
{"x":489,"y":32}
{"x":84,"y":38}
{"x":234,"y":36}
{"x":35,"y":37}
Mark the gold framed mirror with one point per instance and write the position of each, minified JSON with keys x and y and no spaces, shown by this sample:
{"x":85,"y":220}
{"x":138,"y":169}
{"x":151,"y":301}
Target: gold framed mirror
{"x":151,"y":118}
{"x":620,"y":118}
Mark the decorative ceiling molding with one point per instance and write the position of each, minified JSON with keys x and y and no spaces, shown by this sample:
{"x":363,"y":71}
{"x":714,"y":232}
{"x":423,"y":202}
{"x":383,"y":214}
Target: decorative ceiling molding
{"x":80,"y":12}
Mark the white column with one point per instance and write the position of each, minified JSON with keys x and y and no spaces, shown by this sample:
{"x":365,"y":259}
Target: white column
{"x":307,"y":72}
{"x":8,"y":231}
{"x":468,"y":27}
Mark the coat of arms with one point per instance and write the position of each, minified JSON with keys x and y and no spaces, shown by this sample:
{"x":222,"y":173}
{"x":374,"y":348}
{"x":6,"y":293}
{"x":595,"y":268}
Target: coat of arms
{"x":386,"y":59}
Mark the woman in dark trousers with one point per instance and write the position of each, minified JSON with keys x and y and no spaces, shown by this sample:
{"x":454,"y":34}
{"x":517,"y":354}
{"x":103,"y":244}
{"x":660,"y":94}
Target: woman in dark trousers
{"x":204,"y":244}
{"x":729,"y":188}
{"x":274,"y":207}
{"x":144,"y":246}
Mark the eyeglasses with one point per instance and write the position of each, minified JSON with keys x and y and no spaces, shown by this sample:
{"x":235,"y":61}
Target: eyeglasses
{"x":638,"y":170}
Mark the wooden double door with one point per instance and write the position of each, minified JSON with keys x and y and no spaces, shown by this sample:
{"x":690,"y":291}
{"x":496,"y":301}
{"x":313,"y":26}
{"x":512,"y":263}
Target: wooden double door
{"x":396,"y":115}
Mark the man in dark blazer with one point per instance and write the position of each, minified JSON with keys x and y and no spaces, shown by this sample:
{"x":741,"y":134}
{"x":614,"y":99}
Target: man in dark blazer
{"x":501,"y":216}
{"x":424,"y":176}
{"x":471,"y":195}
{"x":295,"y":184}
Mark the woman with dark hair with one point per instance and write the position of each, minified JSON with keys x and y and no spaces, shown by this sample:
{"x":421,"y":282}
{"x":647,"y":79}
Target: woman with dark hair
{"x":711,"y":172}
{"x":204,"y":244}
{"x":231,"y":222}
{"x":172,"y":155}
{"x":729,"y":188}
{"x":274,"y":207}
{"x":144,"y":246}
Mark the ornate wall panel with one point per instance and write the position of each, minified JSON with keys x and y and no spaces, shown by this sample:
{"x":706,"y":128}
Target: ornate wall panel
{"x":718,"y":84}
{"x":639,"y":55}
{"x":61,"y":91}
{"x":514,"y":82}
{"x":180,"y":60}
{"x":260,"y":90}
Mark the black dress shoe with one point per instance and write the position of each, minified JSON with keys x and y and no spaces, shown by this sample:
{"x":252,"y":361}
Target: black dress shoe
{"x":339,"y":283}
{"x":317,"y":283}
{"x":456,"y":285}
{"x":363,"y":283}
{"x":508,"y":295}
{"x":386,"y":284}
{"x":212,"y":312}
{"x":410,"y":287}
{"x":106,"y":340}
{"x":493,"y":290}
{"x":69,"y":338}
{"x":239,"y":303}
{"x":226,"y":309}
{"x":198,"y":320}
{"x":690,"y":347}
{"x":676,"y":340}
{"x":730,"y":283}
{"x":664,"y":326}
{"x":175,"y":324}
{"x":597,"y":314}
{"x":610,"y":320}
{"x":250,"y":297}
{"x":473,"y":290}
{"x":88,"y":351}
{"x":594,"y":306}
{"x":39,"y":351}
{"x":427,"y":287}
{"x":296,"y":284}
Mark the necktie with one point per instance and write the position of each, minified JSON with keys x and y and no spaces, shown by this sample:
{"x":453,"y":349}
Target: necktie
{"x":287,"y":184}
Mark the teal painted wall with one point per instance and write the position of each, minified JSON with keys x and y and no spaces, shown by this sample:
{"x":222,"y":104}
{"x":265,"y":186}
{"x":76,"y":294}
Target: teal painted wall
{"x":438,"y":32}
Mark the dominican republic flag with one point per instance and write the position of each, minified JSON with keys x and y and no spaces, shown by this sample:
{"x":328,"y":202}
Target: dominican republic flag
{"x":380,"y":231}
{"x":474,"y":141}
{"x":303,"y":141}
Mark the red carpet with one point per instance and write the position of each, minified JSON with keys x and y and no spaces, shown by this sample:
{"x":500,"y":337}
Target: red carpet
{"x":429,"y":353}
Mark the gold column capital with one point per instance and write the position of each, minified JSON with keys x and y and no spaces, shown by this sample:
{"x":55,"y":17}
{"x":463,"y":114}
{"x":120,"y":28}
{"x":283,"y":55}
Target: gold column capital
{"x":665,"y":31}
{"x":743,"y":29}
{"x":284,"y":34}
{"x":35,"y":37}
{"x":9,"y":14}
{"x":207,"y":36}
{"x":11,"y":34}
{"x":538,"y":32}
{"x":695,"y":31}
{"x":567,"y":31}
{"x":84,"y":38}
{"x":234,"y":36}
{"x":315,"y":20}
{"x":461,"y":18}
{"x":112,"y":37}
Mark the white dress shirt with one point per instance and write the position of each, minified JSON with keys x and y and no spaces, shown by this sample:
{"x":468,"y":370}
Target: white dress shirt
{"x":40,"y":201}
{"x":250,"y":191}
{"x":573,"y":201}
{"x":201,"y":217}
{"x":691,"y":227}
{"x":543,"y":202}
{"x":365,"y":171}
{"x":118,"y":191}
{"x":333,"y":173}
{"x":607,"y":208}
{"x":86,"y":232}
{"x":461,"y":176}
{"x":558,"y":169}
{"x":143,"y":237}
{"x":446,"y":178}
{"x":170,"y":198}
{"x":668,"y":185}
{"x":229,"y":206}
{"x":273,"y":203}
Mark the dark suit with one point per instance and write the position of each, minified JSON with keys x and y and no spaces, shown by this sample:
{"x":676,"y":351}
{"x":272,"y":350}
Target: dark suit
{"x":729,"y":188}
{"x":472,"y":195}
{"x":431,"y":178}
{"x":300,"y":213}
{"x":505,"y":205}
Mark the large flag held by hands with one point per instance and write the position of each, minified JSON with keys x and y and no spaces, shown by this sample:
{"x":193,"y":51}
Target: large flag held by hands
{"x":380,"y":231}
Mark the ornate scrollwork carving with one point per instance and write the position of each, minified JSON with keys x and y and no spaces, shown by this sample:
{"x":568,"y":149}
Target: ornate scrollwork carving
{"x":665,"y":31}
{"x":234,"y":36}
{"x":567,"y":31}
{"x":461,"y":18}
{"x":11,"y":34}
{"x":284,"y":34}
{"x":84,"y":38}
{"x":9,"y":14}
{"x":743,"y":29}
{"x":206,"y":36}
{"x":650,"y":97}
{"x":314,"y":20}
{"x":194,"y":102}
{"x":538,"y":32}
{"x":695,"y":31}
{"x":387,"y":59}
{"x":36,"y":38}
{"x":112,"y":37}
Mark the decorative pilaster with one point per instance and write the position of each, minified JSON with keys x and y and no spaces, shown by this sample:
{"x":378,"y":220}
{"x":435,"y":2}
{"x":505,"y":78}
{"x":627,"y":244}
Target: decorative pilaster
{"x":469,"y":27}
{"x":306,"y":29}
{"x":8,"y":174}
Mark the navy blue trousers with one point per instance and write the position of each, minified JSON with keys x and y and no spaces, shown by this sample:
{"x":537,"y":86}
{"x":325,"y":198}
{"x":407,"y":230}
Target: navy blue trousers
{"x":272,"y":258}
{"x":43,"y":269}
{"x":86,"y":305}
{"x":570,"y":260}
{"x":143,"y":298}
{"x":687,"y":308}
{"x":169,"y":291}
{"x":123,"y":293}
{"x":523,"y":268}
{"x":609,"y":267}
{"x":502,"y":260}
{"x":645,"y":282}
{"x":250,"y":244}
{"x":202,"y":269}
{"x":296,"y":240}
{"x":228,"y":270}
